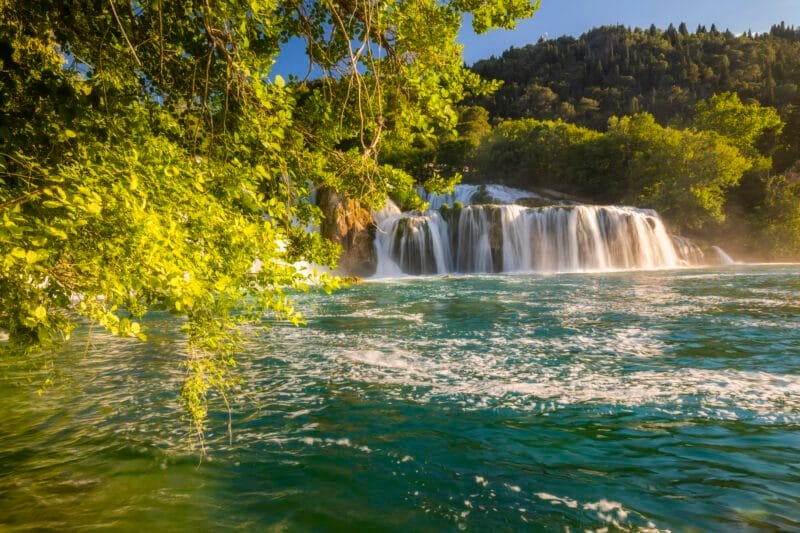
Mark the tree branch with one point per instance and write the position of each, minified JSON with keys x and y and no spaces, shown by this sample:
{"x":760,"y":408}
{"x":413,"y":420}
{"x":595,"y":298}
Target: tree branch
{"x":122,"y":29}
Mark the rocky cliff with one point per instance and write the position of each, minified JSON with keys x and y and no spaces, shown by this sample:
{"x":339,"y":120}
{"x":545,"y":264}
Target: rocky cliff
{"x":348,"y":223}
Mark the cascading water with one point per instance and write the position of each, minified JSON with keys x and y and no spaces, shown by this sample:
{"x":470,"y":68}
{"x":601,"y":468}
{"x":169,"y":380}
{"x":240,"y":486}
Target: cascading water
{"x":471,"y":242}
{"x":514,"y":238}
{"x":462,"y":194}
{"x":688,"y":250}
{"x":724,"y":258}
{"x":584,"y":238}
{"x":465,"y":194}
{"x":413,"y":245}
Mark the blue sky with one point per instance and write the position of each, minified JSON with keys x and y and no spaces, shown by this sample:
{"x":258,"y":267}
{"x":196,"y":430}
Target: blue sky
{"x":574,"y":17}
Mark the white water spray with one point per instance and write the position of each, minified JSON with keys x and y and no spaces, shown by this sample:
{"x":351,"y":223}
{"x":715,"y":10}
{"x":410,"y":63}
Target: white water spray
{"x":514,"y":238}
{"x":723,"y":257}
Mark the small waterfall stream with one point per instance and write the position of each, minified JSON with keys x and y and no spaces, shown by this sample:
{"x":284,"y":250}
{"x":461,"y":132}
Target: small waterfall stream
{"x":724,"y":258}
{"x":455,"y":236}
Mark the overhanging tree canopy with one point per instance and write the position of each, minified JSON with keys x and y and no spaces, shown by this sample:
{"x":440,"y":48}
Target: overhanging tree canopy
{"x":146,"y":161}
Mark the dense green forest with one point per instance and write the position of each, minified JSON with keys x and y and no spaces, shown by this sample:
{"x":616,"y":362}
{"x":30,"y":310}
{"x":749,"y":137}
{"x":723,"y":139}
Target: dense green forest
{"x":615,"y":70}
{"x":703,"y":126}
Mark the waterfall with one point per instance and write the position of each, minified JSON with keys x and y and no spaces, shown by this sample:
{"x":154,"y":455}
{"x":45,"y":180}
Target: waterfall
{"x":389,"y":210}
{"x":462,"y":194}
{"x":688,"y":251}
{"x":724,"y":258}
{"x":488,"y":238}
{"x":473,"y":250}
{"x":579,"y":238}
{"x":412,"y":244}
{"x":465,"y":195}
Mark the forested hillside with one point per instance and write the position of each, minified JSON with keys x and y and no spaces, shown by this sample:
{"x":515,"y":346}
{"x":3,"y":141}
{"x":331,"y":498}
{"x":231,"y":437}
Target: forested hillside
{"x":615,"y":70}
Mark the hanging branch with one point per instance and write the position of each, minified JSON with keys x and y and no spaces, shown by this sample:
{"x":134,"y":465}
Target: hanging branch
{"x":124,"y":35}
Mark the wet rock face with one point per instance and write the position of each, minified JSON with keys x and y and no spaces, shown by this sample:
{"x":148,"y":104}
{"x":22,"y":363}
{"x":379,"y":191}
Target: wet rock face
{"x":348,"y":223}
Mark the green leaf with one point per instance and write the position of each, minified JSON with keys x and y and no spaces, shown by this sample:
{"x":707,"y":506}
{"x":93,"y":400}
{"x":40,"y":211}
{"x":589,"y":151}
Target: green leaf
{"x":40,"y":313}
{"x":56,"y":232}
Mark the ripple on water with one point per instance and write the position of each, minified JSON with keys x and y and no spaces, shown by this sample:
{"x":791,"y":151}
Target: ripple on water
{"x":661,"y":400}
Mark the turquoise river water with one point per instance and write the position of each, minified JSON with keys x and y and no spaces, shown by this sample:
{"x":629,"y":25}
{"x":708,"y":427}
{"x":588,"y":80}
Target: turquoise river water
{"x":660,"y":400}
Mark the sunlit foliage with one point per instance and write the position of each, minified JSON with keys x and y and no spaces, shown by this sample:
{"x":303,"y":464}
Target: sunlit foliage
{"x":150,"y":160}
